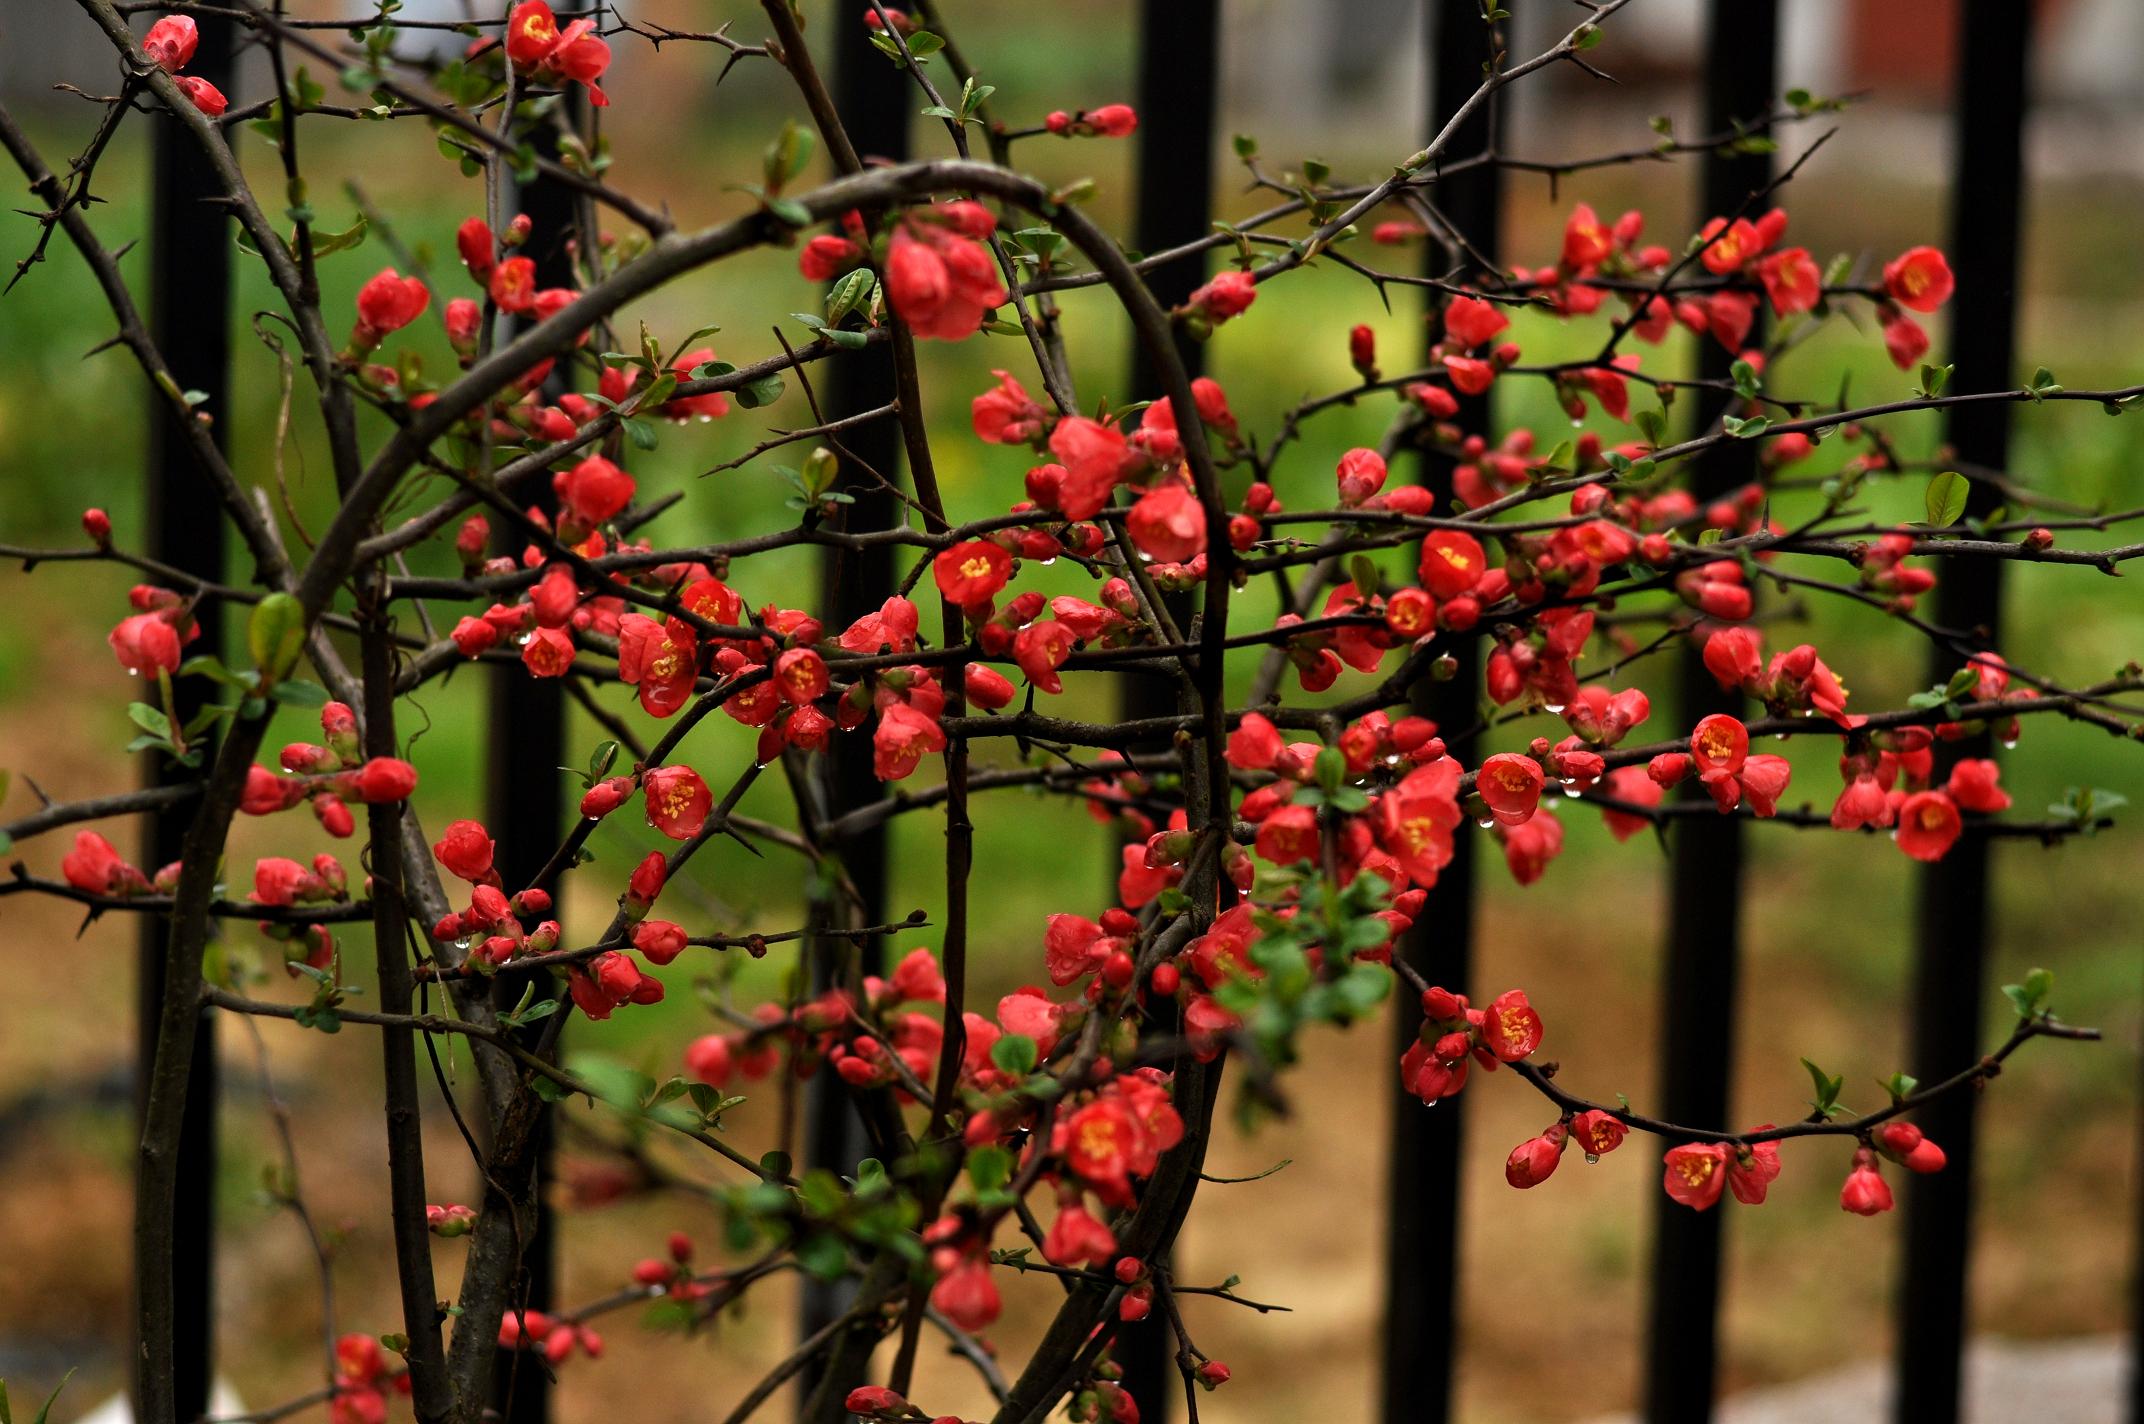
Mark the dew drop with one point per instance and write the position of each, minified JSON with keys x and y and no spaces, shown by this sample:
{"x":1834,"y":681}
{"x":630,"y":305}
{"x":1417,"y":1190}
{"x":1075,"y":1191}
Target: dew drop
{"x":1488,"y":824}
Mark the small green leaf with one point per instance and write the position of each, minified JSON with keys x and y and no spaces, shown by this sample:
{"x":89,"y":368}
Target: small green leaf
{"x":275,"y":634}
{"x":1014,"y":1054}
{"x":850,"y":293}
{"x":1945,"y":498}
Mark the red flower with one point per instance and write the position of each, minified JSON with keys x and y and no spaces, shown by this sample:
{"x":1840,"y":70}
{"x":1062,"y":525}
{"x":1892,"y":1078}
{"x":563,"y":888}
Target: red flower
{"x":594,"y":491}
{"x":826,"y":257}
{"x":1585,"y":242}
{"x":1452,"y":563}
{"x":801,"y":675}
{"x":384,"y":779}
{"x":942,"y":285}
{"x":146,"y":644}
{"x":1040,"y":649}
{"x":678,"y":801}
{"x":1919,"y":278}
{"x":892,"y":628}
{"x":708,"y":1059}
{"x":1469,"y":376}
{"x":466,"y":850}
{"x":1734,"y":657}
{"x":278,"y":880}
{"x":1168,"y":523}
{"x":972,"y":574}
{"x":170,"y":42}
{"x":1764,"y":780}
{"x":1719,"y":743}
{"x":388,"y":303}
{"x":663,"y":658}
{"x":95,"y":867}
{"x":904,"y":737}
{"x":1751,"y":1176}
{"x":1361,"y":474}
{"x":1470,"y":321}
{"x":1511,"y":784}
{"x":548,"y":652}
{"x":479,"y":251}
{"x":1534,"y":1161}
{"x":1865,"y":1192}
{"x":1632,"y":784}
{"x":1511,"y":1028}
{"x":1791,"y":280}
{"x":513,"y":285}
{"x":1093,"y":454}
{"x":987,"y":688}
{"x":1255,"y":744}
{"x":1228,"y":294}
{"x":1730,"y":244}
{"x":1005,"y":414}
{"x":1928,"y":825}
{"x":1076,"y":1238}
{"x":1905,"y":341}
{"x":967,"y":1296}
{"x":202,"y":95}
{"x":660,"y":940}
{"x":535,"y":44}
{"x":1696,"y":1173}
{"x":1973,"y":785}
{"x":708,"y":405}
{"x":1598,"y":1133}
{"x":1416,"y":819}
{"x":1289,"y":835}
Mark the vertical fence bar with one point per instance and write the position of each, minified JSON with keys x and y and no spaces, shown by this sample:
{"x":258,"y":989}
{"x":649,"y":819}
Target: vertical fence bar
{"x":1179,"y":45}
{"x":1704,"y":936}
{"x":1422,"y":1238}
{"x":189,"y":319}
{"x":525,"y":801}
{"x":875,"y":102}
{"x":1951,"y":913}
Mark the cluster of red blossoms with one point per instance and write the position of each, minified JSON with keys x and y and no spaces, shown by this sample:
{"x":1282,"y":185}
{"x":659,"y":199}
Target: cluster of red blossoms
{"x":364,"y":1379}
{"x":540,"y":50}
{"x":170,"y":46}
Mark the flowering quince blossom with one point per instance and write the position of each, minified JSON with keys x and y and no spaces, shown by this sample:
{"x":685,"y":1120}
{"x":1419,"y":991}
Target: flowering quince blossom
{"x":940,"y":278}
{"x":1370,"y":654}
{"x":538,"y":47}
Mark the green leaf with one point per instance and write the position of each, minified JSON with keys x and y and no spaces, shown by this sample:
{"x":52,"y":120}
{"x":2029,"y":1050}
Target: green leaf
{"x":789,"y":211}
{"x":990,"y":1167}
{"x":850,"y":293}
{"x":1748,"y":429}
{"x":601,"y":760}
{"x":786,"y":156}
{"x":275,"y":634}
{"x":764,"y":391}
{"x":1945,"y":498}
{"x":326,"y":244}
{"x":923,"y":44}
{"x":641,"y":430}
{"x":149,"y":719}
{"x":774,"y":1165}
{"x":297,"y":692}
{"x":823,"y":1256}
{"x":1014,"y":1054}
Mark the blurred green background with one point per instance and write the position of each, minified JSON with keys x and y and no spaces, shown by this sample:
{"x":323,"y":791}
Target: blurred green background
{"x":1553,"y":1288}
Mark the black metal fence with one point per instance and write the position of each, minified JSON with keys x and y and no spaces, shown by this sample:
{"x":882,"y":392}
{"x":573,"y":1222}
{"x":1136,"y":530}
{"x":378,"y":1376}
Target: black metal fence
{"x":1179,"y":99}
